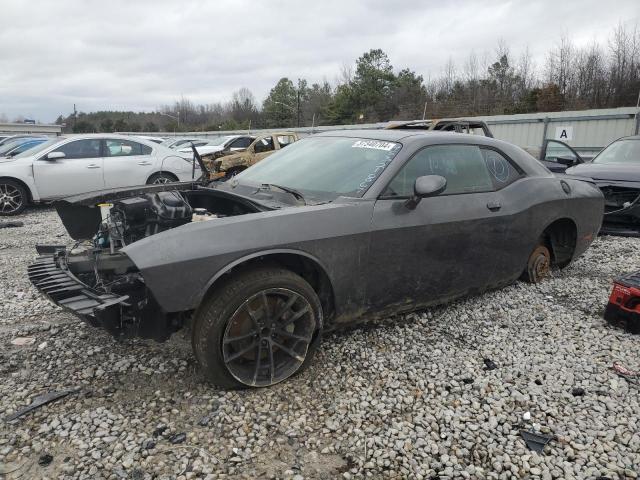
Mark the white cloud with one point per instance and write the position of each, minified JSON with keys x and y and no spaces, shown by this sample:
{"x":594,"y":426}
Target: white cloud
{"x":138,"y":55}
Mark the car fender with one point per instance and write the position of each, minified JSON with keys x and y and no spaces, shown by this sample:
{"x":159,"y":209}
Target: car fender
{"x":175,"y":165}
{"x":194,"y":255}
{"x":263,"y":253}
{"x":23,"y":172}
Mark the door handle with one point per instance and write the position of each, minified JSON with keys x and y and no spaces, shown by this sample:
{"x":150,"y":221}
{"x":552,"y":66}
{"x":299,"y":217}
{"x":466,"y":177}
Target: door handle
{"x":93,"y":165}
{"x":494,"y":206}
{"x":144,"y":162}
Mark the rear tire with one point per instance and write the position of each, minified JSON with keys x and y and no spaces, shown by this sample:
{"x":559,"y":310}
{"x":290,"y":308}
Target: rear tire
{"x":258,"y":329}
{"x":538,"y":265}
{"x":13,"y":198}
{"x":160,"y":178}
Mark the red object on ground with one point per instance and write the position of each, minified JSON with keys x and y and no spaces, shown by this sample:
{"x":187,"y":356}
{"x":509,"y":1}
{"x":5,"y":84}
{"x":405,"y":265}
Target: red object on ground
{"x":624,"y":302}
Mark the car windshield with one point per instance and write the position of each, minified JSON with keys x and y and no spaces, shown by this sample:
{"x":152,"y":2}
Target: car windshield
{"x":622,"y":151}
{"x":35,"y":150}
{"x":324,"y":165}
{"x":9,"y":146}
{"x":25,"y":146}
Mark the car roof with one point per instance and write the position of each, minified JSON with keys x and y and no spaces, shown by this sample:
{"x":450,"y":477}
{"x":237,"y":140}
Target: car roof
{"x":391,"y":135}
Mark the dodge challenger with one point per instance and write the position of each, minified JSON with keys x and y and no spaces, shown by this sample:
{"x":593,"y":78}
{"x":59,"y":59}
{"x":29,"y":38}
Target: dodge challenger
{"x":336,"y":228}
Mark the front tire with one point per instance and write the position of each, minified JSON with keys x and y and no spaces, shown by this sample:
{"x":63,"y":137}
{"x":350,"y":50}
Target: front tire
{"x":261,"y":327}
{"x":13,"y":197}
{"x":160,"y":178}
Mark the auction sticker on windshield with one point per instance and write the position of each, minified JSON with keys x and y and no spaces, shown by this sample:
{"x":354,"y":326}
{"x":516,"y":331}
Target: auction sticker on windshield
{"x":375,"y":144}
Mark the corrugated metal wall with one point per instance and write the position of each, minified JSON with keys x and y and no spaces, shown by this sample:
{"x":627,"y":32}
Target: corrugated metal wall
{"x":591,"y":130}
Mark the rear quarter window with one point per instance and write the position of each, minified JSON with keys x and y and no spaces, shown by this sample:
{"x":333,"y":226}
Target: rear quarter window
{"x":501,"y":170}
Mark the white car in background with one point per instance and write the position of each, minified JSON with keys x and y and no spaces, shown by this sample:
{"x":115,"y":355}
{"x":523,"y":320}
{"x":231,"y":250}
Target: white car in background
{"x":77,"y":164}
{"x":175,"y":143}
{"x":232,"y":143}
{"x":151,"y":139}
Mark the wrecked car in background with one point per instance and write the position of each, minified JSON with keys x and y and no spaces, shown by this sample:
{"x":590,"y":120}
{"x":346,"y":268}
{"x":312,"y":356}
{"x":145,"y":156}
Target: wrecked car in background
{"x":218,"y":147}
{"x":229,"y":163}
{"x":557,"y":156}
{"x":469,"y":126}
{"x":616,"y":171}
{"x":336,"y":228}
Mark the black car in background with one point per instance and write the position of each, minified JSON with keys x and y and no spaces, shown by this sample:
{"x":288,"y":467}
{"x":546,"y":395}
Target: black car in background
{"x":616,"y":171}
{"x":334,"y":229}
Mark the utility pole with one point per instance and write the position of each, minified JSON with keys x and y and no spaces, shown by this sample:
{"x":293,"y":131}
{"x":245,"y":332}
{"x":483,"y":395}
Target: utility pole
{"x":75,"y":114}
{"x":298,"y":105}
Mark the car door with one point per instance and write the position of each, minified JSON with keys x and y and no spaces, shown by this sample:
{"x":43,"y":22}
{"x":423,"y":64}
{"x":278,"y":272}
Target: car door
{"x":127,"y":163}
{"x":78,"y":171}
{"x":557,"y":156}
{"x":262,"y":148}
{"x":444,"y":247}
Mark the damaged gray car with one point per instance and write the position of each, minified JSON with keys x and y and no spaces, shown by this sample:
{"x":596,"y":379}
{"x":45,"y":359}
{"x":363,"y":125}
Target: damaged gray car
{"x":616,"y":171}
{"x":334,"y":229}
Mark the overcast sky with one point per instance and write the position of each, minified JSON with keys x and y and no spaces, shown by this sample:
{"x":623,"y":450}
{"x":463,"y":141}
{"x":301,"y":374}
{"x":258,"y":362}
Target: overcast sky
{"x":138,"y":55}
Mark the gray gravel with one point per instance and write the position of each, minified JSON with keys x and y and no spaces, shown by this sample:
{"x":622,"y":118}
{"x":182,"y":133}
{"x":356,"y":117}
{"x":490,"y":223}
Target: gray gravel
{"x":407,"y":397}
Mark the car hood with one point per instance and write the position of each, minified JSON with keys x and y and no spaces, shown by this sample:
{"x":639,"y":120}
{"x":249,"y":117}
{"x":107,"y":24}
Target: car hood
{"x":618,"y":172}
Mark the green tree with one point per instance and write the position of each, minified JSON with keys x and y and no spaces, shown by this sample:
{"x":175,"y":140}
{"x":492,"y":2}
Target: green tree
{"x":408,"y":95}
{"x":372,"y":86}
{"x":121,"y":125}
{"x":150,"y":127}
{"x":106,"y":125}
{"x":280,"y":107}
{"x":83,"y":126}
{"x":315,"y":107}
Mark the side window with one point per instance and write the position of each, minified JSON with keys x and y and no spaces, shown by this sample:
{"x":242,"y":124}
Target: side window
{"x":284,"y":140}
{"x":264,"y":145}
{"x":502,"y":171}
{"x":125,"y":148}
{"x":89,"y":148}
{"x":242,"y":142}
{"x":462,"y":165}
{"x":557,"y":149}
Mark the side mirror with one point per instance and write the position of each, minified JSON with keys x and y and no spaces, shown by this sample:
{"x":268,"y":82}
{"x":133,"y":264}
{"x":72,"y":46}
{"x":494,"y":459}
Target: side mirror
{"x":54,"y":155}
{"x":426,"y":186}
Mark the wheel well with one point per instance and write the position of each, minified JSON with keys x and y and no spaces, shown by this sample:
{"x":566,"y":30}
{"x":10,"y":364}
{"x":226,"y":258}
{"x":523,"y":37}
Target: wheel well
{"x":162,"y":172}
{"x":560,"y":236}
{"x":307,"y":268}
{"x":24,"y":185}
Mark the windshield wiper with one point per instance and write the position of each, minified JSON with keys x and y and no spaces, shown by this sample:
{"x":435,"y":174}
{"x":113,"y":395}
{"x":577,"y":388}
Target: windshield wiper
{"x":292,"y":191}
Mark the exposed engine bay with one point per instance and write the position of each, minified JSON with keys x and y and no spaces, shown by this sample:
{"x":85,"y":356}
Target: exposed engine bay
{"x":131,"y":219}
{"x":96,"y":277}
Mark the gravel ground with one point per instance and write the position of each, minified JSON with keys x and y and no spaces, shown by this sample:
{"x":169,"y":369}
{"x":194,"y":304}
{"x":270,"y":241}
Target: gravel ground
{"x":409,"y":397}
